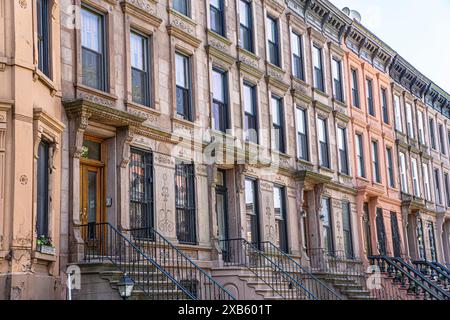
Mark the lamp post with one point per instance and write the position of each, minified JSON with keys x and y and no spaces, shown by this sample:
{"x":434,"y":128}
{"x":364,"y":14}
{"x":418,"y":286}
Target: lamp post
{"x":125,"y":286}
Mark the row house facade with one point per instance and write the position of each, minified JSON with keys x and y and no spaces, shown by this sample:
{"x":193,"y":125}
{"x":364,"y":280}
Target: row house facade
{"x":218,"y":133}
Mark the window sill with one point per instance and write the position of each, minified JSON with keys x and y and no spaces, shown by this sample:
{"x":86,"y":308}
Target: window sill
{"x":345,"y":175}
{"x":39,"y":75}
{"x":248,"y":53}
{"x":340,"y":103}
{"x":328,"y":170}
{"x":44,"y":257}
{"x":321,"y":93}
{"x":142,"y":107}
{"x":275,"y":67}
{"x":219,"y":37}
{"x":103,"y":94}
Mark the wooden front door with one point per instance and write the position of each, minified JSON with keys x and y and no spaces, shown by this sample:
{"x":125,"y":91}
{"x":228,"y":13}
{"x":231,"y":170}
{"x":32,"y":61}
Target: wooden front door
{"x":92,"y":198}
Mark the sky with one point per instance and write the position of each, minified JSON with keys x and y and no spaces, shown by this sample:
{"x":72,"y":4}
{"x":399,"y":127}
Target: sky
{"x":418,"y":30}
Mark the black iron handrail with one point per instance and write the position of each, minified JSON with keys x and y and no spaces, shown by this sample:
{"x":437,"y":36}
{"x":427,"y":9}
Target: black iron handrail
{"x":103,"y":242}
{"x":241,"y":253}
{"x":407,"y":275}
{"x":303,"y":276}
{"x":432,"y":270}
{"x":194,"y":279}
{"x":442,"y":268}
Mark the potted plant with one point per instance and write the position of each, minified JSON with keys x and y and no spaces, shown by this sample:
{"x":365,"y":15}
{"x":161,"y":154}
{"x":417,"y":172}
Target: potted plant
{"x":45,"y":245}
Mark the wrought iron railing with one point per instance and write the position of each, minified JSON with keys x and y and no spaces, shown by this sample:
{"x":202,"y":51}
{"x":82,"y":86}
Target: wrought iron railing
{"x":176,"y":263}
{"x":320,"y":290}
{"x":408,"y":278}
{"x":241,"y":253}
{"x":434,"y":272}
{"x":104,"y":243}
{"x":442,"y":267}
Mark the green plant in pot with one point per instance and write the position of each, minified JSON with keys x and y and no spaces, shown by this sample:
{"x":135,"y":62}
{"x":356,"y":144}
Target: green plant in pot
{"x":45,"y":245}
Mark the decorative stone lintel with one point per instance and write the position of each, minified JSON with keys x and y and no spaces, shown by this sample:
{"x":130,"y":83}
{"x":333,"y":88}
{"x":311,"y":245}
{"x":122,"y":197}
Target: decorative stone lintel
{"x":143,"y":10}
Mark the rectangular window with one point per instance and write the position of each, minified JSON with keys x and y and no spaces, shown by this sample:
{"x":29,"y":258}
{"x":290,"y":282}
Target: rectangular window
{"x":442,"y":138}
{"x":297,"y":56}
{"x":426,"y":181}
{"x":447,"y":190}
{"x":403,"y":178}
{"x":246,"y":25}
{"x":323,"y":142}
{"x":327,"y":226}
{"x":432,"y":134}
{"x":384,"y":106}
{"x":343,"y":153}
{"x":278,"y":124}
{"x":396,"y":241}
{"x":431,"y":238}
{"x":183,"y":82}
{"x":360,"y":156}
{"x":370,"y":105}
{"x":375,"y":162}
{"x":43,"y":36}
{"x":420,"y":125}
{"x":42,"y":200}
{"x":355,"y":88}
{"x":337,"y":80}
{"x":250,"y":125}
{"x":140,"y":66}
{"x":302,"y":135}
{"x":252,"y":211}
{"x":217,"y":12}
{"x":437,"y":186}
{"x":185,"y":203}
{"x":182,"y":6}
{"x":409,"y":120}
{"x":398,"y":114}
{"x":220,"y":100}
{"x":390,"y":167}
{"x":318,"y":68}
{"x":93,"y":47}
{"x":415,"y":177}
{"x":279,"y":200}
{"x":141,"y":192}
{"x":347,"y":229}
{"x":273,"y":41}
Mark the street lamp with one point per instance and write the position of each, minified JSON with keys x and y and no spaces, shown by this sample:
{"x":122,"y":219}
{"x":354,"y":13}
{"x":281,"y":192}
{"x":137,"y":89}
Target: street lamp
{"x":125,"y":287}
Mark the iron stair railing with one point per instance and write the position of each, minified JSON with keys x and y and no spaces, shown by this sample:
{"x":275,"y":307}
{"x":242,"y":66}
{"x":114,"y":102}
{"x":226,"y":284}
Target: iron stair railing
{"x":303,"y":276}
{"x":441,"y":267}
{"x":434,"y":272}
{"x":241,"y":253}
{"x":176,"y":263}
{"x":409,"y":278}
{"x":103,"y":242}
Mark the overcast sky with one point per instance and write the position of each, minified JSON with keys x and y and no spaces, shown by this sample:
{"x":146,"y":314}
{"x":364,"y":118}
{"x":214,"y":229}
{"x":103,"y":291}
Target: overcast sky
{"x":418,"y":30}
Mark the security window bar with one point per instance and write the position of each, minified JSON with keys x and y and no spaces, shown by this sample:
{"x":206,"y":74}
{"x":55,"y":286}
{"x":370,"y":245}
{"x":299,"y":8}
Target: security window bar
{"x":343,"y":151}
{"x":318,"y":69}
{"x":217,"y":12}
{"x":43,"y":36}
{"x":384,"y":106}
{"x":220,"y":100}
{"x":370,"y":105}
{"x":140,"y":67}
{"x":390,"y":167}
{"x":246,"y":25}
{"x":360,"y":156}
{"x":141,"y":192}
{"x":355,"y":89}
{"x":297,"y":56}
{"x":185,"y":203}
{"x":337,"y":80}
{"x":182,"y":6}
{"x":183,"y":86}
{"x":323,"y":143}
{"x":42,"y":205}
{"x":396,"y":240}
{"x":251,"y":120}
{"x":279,"y":198}
{"x":278,"y":124}
{"x":302,"y":135}
{"x":347,"y":229}
{"x":381,"y":232}
{"x":375,"y":162}
{"x":93,"y":47}
{"x":420,"y":240}
{"x":432,"y":240}
{"x":273,"y":39}
{"x":327,"y":226}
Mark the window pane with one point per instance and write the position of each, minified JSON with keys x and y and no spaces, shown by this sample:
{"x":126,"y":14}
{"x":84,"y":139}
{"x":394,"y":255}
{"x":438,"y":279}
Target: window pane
{"x":138,"y":51}
{"x":218,"y":86}
{"x":91,"y":30}
{"x":181,"y":70}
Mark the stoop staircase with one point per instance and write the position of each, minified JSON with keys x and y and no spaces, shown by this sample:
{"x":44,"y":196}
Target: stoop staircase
{"x":158,"y":269}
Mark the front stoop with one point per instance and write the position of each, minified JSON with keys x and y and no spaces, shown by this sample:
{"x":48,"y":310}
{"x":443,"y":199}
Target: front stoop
{"x":346,"y":285}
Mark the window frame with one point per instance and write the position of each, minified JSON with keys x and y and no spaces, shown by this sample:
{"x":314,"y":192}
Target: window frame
{"x":318,"y":71}
{"x":221,"y":14}
{"x":180,"y":10}
{"x":384,"y":105}
{"x":403,"y":173}
{"x":186,"y":171}
{"x":248,"y":29}
{"x":224,"y":105}
{"x":390,"y":167}
{"x":344,"y":166}
{"x":297,"y":57}
{"x":44,"y":32}
{"x":283,"y":238}
{"x":147,"y":59}
{"x":302,"y":137}
{"x":356,"y":102}
{"x":376,"y":161}
{"x":187,"y":70}
{"x":361,"y":166}
{"x":273,"y":47}
{"x":370,"y":100}
{"x":338,"y":90}
{"x":281,"y":144}
{"x":324,"y":151}
{"x":42,"y":189}
{"x":248,"y":115}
